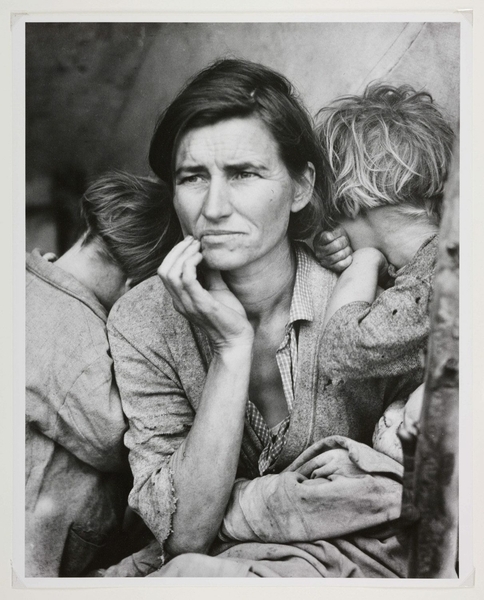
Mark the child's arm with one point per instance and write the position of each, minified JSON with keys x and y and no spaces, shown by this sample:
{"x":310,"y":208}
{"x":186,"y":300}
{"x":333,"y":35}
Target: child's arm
{"x":384,"y":337}
{"x":359,"y":281}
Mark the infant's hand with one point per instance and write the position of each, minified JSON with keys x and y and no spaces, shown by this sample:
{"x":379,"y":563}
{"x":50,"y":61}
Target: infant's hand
{"x":330,"y":464}
{"x":333,"y":249}
{"x":413,"y":408}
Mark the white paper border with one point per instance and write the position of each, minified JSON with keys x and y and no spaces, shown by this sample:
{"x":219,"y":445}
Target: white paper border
{"x":466,"y":274}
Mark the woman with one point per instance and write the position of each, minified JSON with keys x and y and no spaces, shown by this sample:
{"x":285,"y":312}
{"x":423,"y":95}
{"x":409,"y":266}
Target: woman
{"x":218,"y":366}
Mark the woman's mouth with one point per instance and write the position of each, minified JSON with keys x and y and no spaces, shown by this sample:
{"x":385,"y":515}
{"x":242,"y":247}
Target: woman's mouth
{"x":218,"y":236}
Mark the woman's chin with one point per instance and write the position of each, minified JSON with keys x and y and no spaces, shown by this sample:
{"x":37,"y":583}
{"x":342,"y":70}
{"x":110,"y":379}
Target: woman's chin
{"x":221,"y":260}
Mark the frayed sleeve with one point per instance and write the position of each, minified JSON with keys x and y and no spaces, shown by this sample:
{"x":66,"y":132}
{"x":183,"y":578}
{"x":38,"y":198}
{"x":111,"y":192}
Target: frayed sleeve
{"x":159,"y":417}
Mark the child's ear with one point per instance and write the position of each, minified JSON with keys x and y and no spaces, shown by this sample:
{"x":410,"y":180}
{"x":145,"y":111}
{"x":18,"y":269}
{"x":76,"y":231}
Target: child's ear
{"x":304,"y":188}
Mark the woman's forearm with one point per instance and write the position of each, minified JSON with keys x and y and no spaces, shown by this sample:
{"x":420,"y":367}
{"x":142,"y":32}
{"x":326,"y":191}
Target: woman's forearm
{"x":204,"y":466}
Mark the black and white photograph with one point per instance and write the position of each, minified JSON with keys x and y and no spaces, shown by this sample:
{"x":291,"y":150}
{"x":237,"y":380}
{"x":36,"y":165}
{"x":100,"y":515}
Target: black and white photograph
{"x":241,"y":310}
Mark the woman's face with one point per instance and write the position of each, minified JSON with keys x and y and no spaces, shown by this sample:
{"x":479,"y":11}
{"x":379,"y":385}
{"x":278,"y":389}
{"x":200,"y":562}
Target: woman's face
{"x":234,"y":193}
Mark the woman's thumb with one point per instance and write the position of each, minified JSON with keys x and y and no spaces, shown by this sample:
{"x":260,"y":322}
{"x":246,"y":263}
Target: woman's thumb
{"x":214,"y":280}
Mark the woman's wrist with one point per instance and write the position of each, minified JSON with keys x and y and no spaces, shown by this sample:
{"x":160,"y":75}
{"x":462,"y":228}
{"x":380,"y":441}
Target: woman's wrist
{"x":235,"y":349}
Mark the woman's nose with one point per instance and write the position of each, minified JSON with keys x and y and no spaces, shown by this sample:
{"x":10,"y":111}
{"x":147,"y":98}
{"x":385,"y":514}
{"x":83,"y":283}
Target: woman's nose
{"x":217,"y":203}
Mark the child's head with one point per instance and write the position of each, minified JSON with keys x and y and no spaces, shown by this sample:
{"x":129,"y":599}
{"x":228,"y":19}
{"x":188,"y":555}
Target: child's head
{"x":131,"y":222}
{"x":390,"y":146}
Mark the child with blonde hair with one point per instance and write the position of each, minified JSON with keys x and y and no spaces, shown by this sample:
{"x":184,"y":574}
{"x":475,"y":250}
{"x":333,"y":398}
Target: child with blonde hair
{"x":389,"y":151}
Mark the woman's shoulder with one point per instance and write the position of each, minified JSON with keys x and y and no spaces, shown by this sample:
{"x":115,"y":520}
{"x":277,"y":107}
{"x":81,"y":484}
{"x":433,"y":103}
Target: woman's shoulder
{"x":320,"y":281}
{"x":147,"y":308}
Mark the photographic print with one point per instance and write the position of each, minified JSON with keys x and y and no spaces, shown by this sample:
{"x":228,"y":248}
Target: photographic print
{"x":242,"y":299}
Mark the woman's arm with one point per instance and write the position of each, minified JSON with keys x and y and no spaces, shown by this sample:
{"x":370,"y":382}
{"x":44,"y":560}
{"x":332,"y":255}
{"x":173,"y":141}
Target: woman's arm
{"x":184,"y":463}
{"x":205,"y":465}
{"x":361,"y":489}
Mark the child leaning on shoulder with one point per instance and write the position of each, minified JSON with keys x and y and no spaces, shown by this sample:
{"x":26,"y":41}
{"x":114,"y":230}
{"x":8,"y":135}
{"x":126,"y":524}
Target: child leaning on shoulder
{"x":389,"y":151}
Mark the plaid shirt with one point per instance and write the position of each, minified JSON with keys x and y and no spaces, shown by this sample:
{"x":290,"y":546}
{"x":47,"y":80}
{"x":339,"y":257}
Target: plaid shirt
{"x":286,"y":356}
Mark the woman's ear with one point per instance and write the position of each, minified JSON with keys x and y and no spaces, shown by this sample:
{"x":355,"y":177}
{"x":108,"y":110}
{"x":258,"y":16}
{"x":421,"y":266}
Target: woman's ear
{"x":304,"y":188}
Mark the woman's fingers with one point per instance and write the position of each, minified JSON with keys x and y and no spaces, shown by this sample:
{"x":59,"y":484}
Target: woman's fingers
{"x":172,"y":257}
{"x":215,"y":309}
{"x":214,"y":280}
{"x":171,"y":271}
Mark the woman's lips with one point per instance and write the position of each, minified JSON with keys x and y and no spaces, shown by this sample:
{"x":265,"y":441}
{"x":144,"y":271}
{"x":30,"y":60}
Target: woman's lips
{"x":218,"y":236}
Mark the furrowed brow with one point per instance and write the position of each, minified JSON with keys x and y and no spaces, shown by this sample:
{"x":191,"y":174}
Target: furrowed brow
{"x":245,"y":166}
{"x":189,"y":169}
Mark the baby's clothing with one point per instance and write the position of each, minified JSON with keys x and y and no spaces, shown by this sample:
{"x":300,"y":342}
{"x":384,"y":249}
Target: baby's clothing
{"x":385,"y":438}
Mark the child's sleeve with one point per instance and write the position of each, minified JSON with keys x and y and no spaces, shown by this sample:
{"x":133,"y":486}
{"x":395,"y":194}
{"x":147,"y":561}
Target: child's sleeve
{"x":385,"y":339}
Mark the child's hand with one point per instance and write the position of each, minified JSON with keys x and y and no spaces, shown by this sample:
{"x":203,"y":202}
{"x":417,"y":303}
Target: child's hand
{"x":413,"y":409}
{"x":330,"y":464}
{"x":333,"y":249}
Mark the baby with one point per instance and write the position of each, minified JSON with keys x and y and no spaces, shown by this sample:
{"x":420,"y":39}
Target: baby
{"x":389,"y":150}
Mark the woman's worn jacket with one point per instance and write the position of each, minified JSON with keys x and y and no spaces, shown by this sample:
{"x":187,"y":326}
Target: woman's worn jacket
{"x":161,"y":361}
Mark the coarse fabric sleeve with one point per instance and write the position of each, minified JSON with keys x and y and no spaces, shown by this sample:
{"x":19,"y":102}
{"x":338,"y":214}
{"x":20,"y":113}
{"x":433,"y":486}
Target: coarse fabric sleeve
{"x":159,"y":416}
{"x":90,"y":422}
{"x":387,"y":338}
{"x":289,"y":508}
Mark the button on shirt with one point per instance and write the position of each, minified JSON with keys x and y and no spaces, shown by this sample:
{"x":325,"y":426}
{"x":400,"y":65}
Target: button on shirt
{"x":301,"y":309}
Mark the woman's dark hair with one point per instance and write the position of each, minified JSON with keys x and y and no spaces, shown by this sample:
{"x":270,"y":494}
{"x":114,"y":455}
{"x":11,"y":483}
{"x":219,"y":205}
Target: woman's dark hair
{"x":233,"y":88}
{"x":132,"y":222}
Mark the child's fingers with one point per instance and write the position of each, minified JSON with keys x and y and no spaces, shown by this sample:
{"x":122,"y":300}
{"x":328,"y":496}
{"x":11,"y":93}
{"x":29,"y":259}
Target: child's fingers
{"x":340,"y":266}
{"x":332,"y":246}
{"x":327,"y":236}
{"x":317,"y":481}
{"x":324,"y":471}
{"x":338,"y":232}
{"x":340,"y":255}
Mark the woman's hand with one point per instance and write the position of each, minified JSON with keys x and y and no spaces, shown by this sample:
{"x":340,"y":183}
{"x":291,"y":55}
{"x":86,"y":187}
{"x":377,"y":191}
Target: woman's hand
{"x":215,"y":309}
{"x":333,"y":249}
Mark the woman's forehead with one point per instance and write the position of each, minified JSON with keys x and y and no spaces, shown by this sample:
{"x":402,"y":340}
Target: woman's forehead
{"x":236,"y":139}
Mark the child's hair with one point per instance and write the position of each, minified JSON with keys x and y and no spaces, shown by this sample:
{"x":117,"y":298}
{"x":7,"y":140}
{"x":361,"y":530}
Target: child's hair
{"x":389,"y":146}
{"x":132,"y":222}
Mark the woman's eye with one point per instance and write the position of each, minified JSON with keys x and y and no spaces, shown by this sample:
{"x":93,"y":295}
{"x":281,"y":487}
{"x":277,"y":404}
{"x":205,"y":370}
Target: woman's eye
{"x":190,"y":179}
{"x":245,"y":175}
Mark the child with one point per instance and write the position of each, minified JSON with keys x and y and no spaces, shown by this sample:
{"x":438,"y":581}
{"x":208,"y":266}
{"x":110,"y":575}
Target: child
{"x":77,"y":473}
{"x":389,"y":151}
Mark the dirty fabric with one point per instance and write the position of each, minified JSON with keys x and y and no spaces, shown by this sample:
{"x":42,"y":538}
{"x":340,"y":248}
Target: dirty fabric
{"x":77,"y":474}
{"x":389,"y":337}
{"x":161,"y":362}
{"x":294,"y":526}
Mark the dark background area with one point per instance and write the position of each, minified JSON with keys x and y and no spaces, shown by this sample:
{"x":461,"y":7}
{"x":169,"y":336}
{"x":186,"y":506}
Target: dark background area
{"x":95,"y":90}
